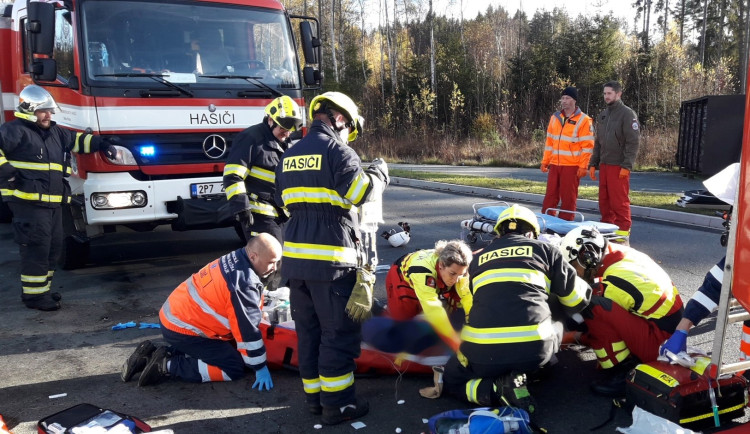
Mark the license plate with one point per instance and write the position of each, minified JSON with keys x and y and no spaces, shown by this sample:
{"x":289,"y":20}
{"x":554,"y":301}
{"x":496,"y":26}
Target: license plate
{"x":206,"y":189}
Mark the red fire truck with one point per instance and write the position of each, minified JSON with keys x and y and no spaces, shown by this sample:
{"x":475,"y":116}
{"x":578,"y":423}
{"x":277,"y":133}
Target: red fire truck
{"x":174,"y":80}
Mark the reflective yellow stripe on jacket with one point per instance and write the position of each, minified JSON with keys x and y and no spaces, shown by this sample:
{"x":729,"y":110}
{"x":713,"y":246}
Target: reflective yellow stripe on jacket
{"x":320,"y":252}
{"x":521,"y":275}
{"x":314,"y":195}
{"x":508,"y":335}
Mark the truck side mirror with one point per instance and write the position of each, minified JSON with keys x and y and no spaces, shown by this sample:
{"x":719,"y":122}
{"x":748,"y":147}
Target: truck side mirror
{"x":40,"y":26}
{"x":44,"y":69}
{"x":310,"y":42}
{"x":311,"y":75}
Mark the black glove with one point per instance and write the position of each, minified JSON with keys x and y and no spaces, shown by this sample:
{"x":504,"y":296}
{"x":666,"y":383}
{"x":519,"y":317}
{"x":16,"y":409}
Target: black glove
{"x":245,"y":218}
{"x":379,"y":168}
{"x":107,"y":145}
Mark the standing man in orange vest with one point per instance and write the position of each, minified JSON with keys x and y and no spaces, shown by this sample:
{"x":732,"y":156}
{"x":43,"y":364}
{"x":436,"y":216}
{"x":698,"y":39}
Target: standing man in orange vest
{"x":569,"y":145}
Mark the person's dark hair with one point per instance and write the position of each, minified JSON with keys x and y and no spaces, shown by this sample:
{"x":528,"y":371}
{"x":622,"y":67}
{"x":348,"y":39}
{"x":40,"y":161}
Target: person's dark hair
{"x":615,"y":85}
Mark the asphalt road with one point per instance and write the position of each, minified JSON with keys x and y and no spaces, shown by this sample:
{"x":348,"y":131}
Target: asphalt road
{"x":74,"y":350}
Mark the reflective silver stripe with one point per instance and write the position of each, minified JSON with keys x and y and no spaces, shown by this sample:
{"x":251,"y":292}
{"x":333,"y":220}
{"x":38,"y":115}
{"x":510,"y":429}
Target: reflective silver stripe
{"x":263,"y":174}
{"x":578,"y":295}
{"x":358,"y":188}
{"x":588,"y":151}
{"x":179,"y":323}
{"x":235,"y":169}
{"x":335,"y":384}
{"x":263,"y":208}
{"x":193,"y":291}
{"x":205,"y":377}
{"x":311,"y":386}
{"x":32,"y":279}
{"x":704,"y":301}
{"x":542,"y":331}
{"x":249,"y":346}
{"x":717,"y":273}
{"x":235,"y":189}
{"x":253,"y":361}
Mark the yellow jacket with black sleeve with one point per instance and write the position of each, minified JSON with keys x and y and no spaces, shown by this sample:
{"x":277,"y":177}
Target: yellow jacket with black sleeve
{"x":250,"y":172}
{"x":639,"y":285}
{"x":419,"y":271}
{"x":514,"y":281}
{"x":320,"y":181}
{"x":33,"y":161}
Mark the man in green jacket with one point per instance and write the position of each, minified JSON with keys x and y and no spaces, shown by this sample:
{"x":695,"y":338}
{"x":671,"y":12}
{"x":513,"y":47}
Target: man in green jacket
{"x":615,"y":149}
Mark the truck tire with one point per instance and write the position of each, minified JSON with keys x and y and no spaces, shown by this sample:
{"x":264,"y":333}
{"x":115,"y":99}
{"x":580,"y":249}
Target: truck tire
{"x":76,"y":246}
{"x":75,"y":253}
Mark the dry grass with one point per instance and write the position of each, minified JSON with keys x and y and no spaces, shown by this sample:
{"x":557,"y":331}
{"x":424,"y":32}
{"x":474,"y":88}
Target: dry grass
{"x":657,"y":150}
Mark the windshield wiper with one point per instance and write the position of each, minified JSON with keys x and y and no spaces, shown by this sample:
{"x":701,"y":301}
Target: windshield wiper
{"x":250,"y":79}
{"x":156,"y":77}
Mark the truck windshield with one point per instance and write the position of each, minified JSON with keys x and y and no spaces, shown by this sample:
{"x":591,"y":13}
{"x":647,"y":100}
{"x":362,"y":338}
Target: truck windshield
{"x":126,"y":42}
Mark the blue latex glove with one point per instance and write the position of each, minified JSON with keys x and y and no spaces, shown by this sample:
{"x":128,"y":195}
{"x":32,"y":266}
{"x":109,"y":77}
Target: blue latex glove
{"x":149,"y":325}
{"x":675,"y":344}
{"x":263,"y":379}
{"x":121,"y":326}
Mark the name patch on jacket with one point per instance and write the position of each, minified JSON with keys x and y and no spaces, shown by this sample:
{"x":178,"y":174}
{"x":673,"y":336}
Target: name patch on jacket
{"x":430,"y":281}
{"x":302,"y":162}
{"x":506,"y":252}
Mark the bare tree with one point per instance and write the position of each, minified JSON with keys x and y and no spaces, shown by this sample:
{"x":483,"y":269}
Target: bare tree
{"x":333,"y":42}
{"x":432,"y":50}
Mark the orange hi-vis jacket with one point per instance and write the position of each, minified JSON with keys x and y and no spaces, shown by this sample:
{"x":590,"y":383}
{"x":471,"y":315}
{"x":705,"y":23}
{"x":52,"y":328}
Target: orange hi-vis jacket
{"x":221,"y":301}
{"x":570,"y":141}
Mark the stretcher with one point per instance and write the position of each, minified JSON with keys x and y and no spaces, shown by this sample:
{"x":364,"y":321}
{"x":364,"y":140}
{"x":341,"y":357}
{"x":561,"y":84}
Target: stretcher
{"x":482,"y":224}
{"x":281,"y":352}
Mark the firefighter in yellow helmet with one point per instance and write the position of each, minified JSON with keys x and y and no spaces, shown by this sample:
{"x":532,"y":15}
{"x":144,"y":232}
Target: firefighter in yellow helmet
{"x":520,"y":330}
{"x":34,"y":152}
{"x":249,"y":175}
{"x":321,"y":182}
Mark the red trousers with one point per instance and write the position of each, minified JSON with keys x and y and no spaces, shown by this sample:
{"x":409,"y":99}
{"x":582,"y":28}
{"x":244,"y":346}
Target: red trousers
{"x":614,"y":333}
{"x":403,"y":303}
{"x":614,"y":202}
{"x":562,"y":187}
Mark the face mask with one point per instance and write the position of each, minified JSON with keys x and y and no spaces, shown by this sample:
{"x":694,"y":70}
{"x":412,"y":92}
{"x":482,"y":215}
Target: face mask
{"x":344,"y":135}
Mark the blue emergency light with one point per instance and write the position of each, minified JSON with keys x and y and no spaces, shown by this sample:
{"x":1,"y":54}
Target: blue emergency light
{"x":148,"y":151}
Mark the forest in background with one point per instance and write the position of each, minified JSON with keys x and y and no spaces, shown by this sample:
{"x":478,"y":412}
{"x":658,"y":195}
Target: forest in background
{"x":481,"y":90}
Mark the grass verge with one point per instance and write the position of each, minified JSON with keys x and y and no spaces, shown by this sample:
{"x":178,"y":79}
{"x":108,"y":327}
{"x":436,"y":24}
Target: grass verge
{"x":651,"y":200}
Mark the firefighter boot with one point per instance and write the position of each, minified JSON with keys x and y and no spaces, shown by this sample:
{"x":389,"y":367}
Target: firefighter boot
{"x":336,"y":415}
{"x":156,"y":369}
{"x":511,"y":390}
{"x":137,"y":361}
{"x":614,"y":385}
{"x":44,"y":301}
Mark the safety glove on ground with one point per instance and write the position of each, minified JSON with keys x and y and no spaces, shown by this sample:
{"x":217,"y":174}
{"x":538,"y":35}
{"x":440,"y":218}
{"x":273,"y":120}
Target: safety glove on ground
{"x":359,"y":306}
{"x":263,"y":379}
{"x":675,"y":344}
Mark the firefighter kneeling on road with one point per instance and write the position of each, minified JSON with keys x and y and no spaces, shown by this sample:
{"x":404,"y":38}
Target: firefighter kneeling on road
{"x":211,"y":322}
{"x":517,"y":283}
{"x":635,"y":307}
{"x":34,"y":155}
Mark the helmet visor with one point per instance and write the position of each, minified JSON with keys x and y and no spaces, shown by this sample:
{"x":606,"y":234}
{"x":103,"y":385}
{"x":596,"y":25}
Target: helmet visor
{"x":290,"y":124}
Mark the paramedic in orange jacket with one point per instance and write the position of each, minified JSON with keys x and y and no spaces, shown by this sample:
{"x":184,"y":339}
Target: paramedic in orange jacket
{"x":211,"y":322}
{"x":432,"y":281}
{"x":569,"y":145}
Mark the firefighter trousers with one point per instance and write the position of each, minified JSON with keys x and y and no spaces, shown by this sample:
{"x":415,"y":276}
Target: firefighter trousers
{"x":615,"y":334}
{"x":39,"y":234}
{"x":328,"y":340}
{"x":562,"y":188}
{"x":614,"y":199}
{"x":199,"y":360}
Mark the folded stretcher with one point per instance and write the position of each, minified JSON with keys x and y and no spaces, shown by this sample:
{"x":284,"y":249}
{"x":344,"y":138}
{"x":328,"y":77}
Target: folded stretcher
{"x":482,"y":225}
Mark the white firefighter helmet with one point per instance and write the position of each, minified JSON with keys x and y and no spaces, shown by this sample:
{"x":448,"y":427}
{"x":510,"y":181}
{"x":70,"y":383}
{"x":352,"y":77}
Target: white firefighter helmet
{"x":585,"y":244}
{"x":398,"y":239}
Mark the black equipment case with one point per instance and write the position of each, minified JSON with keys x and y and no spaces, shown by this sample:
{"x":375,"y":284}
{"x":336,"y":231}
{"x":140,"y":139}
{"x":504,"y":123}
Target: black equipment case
{"x":682,"y":395}
{"x":82,"y":415}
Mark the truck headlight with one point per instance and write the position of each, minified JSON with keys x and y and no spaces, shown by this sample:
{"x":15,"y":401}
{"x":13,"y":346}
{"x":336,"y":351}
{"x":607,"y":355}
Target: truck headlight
{"x":119,"y":199}
{"x":123,"y":158}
